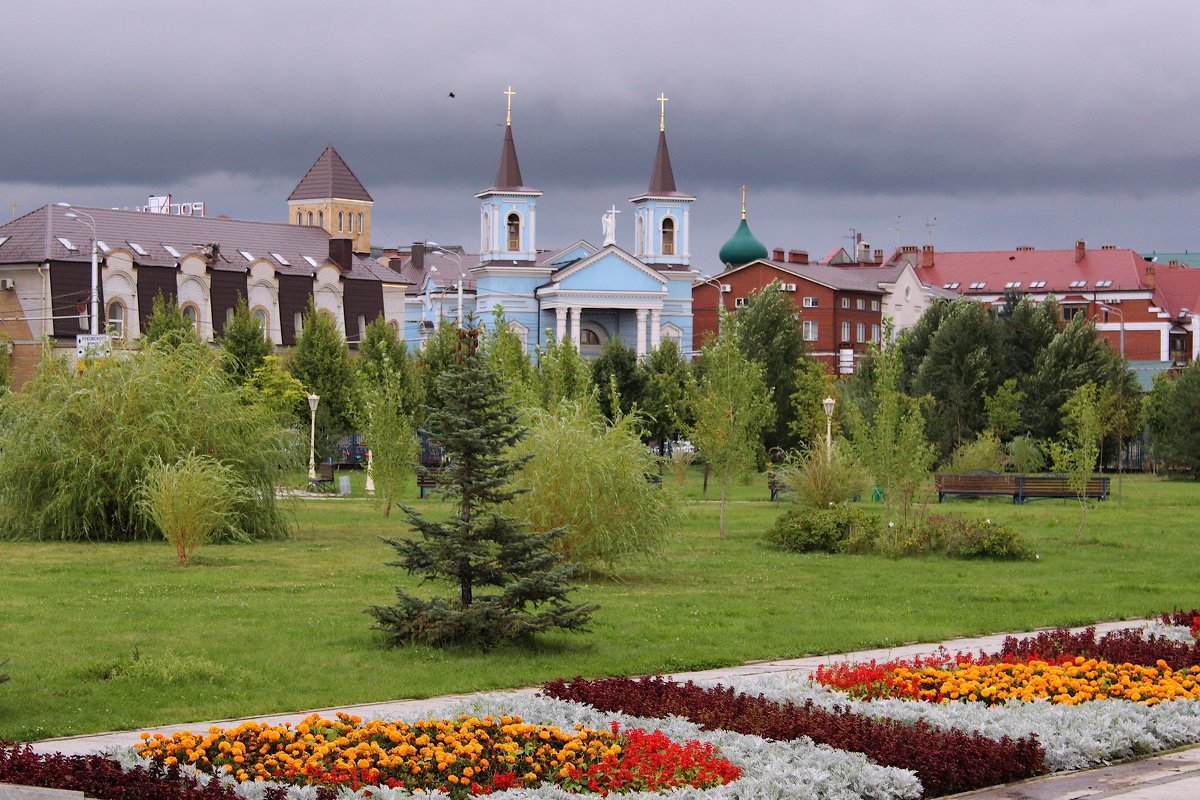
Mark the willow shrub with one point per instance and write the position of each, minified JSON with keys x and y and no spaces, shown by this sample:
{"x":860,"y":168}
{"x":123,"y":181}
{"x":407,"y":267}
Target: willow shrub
{"x":823,"y":476}
{"x":75,"y":445}
{"x":189,"y":500}
{"x":596,"y":479}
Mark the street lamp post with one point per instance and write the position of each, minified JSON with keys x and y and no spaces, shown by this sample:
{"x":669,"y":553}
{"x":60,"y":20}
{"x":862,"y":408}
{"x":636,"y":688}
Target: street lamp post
{"x":1121,"y":320}
{"x":828,"y":404}
{"x":312,"y":436}
{"x":437,"y":248}
{"x":711,"y":281}
{"x":90,"y":221}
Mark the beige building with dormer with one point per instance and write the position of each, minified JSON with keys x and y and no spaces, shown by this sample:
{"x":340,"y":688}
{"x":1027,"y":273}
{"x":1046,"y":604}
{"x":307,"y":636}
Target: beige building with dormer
{"x":330,"y":196}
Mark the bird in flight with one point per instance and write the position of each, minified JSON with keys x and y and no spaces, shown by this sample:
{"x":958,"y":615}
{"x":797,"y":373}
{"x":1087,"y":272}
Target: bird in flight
{"x":452,"y":94}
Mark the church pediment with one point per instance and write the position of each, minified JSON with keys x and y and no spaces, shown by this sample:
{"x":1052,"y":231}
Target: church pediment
{"x":576,"y":252}
{"x":611,"y":269}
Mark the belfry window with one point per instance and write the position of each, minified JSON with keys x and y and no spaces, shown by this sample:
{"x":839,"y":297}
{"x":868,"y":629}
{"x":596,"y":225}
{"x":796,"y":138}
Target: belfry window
{"x":321,"y":218}
{"x":340,"y":219}
{"x":514,"y":231}
{"x":668,"y":237}
{"x":310,"y":220}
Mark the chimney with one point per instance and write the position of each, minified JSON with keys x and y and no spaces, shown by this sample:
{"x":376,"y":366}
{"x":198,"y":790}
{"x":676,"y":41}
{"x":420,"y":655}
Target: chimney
{"x":1173,"y":264}
{"x":1151,"y":280}
{"x":879,"y":256}
{"x":341,"y":252}
{"x":418,"y":255}
{"x":1080,"y":250}
{"x":864,"y":251}
{"x":395,"y":264}
{"x":1108,"y":247}
{"x":797,"y":257}
{"x":777,"y":254}
{"x":927,"y":256}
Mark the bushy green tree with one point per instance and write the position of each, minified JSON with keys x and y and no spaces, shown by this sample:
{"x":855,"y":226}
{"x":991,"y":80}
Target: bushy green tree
{"x":667,"y":400}
{"x":590,"y":477}
{"x":167,"y":324}
{"x":509,"y":355}
{"x":481,"y":547}
{"x":391,"y":435}
{"x":384,"y":362}
{"x":814,"y":382}
{"x":189,"y":500}
{"x":436,"y":356}
{"x":244,"y":344}
{"x":1003,"y":409}
{"x":615,"y":372}
{"x":277,"y":391}
{"x":1171,"y":414}
{"x":321,"y":362}
{"x":76,"y":444}
{"x":732,"y":409}
{"x":562,"y":373}
{"x":1076,"y":452}
{"x":1024,"y":330}
{"x":768,"y":331}
{"x":1077,"y":355}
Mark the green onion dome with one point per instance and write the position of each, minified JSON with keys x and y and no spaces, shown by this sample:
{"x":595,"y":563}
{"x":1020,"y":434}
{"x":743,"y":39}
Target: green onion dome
{"x":742,"y":248}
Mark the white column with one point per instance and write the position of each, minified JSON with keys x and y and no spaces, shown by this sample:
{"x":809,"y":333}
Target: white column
{"x":641,"y":332}
{"x":655,"y":328}
{"x":687,"y":246}
{"x":533,"y":230}
{"x":1164,"y":343}
{"x":576,"y":320}
{"x":560,"y":330}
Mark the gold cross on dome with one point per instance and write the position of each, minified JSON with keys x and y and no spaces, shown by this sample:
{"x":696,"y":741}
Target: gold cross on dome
{"x":743,"y":201}
{"x":510,"y":93}
{"x":662,"y":111}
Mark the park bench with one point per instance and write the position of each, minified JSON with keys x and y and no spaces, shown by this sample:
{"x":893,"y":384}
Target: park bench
{"x":427,"y":477}
{"x":975,"y":483}
{"x":1040,"y":487}
{"x":776,"y":485}
{"x":324,"y":480}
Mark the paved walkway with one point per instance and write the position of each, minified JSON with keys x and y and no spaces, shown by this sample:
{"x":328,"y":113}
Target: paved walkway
{"x":1167,"y":776}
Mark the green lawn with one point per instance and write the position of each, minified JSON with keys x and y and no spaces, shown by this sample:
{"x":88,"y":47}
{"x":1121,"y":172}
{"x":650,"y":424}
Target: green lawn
{"x":115,"y":636}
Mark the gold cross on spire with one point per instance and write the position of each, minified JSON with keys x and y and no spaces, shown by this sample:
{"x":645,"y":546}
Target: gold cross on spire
{"x":662,"y":111}
{"x":508,"y":119}
{"x":743,"y":201}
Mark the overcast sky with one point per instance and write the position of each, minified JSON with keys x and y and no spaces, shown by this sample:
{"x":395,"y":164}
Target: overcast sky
{"x":1010,"y":122}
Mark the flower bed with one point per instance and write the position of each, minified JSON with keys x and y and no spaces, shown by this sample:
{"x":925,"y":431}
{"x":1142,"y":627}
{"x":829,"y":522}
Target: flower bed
{"x":468,"y":756}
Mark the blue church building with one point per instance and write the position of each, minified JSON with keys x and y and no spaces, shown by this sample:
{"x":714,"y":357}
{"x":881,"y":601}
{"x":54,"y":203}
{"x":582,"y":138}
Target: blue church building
{"x":582,"y":292}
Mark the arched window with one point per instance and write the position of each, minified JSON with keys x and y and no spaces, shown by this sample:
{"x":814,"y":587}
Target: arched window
{"x":191,"y":314}
{"x":310,"y":218}
{"x":514,"y":232}
{"x":299,"y":217}
{"x":321,"y":218}
{"x":260,"y":314}
{"x":360,"y":222}
{"x":340,"y":215}
{"x":668,"y":237}
{"x":115,"y":315}
{"x":587,"y":336}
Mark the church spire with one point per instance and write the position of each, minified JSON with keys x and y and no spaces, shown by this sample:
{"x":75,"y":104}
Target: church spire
{"x":508,"y":176}
{"x":662,"y":177}
{"x":660,"y":221}
{"x":508,"y":211}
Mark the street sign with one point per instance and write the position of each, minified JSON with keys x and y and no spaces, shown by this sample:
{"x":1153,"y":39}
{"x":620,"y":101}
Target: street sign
{"x":93,"y":346}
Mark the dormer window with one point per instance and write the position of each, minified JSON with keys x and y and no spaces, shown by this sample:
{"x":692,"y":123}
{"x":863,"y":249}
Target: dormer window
{"x":1104,"y":284}
{"x":1013,"y":285}
{"x":1037,"y":284}
{"x":668,"y":237}
{"x":979,"y":284}
{"x":1078,"y":284}
{"x":513,"y":225}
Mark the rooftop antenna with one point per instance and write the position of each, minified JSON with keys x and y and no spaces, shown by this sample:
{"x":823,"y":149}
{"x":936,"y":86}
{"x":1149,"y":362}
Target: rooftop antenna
{"x":930,"y":224}
{"x":853,"y":237}
{"x":897,"y":228}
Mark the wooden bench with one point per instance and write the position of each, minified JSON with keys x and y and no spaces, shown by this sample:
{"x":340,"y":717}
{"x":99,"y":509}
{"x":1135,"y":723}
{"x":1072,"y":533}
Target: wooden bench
{"x":324,"y":480}
{"x":427,"y":477}
{"x":1041,"y":487}
{"x":776,"y":485}
{"x":975,"y":483}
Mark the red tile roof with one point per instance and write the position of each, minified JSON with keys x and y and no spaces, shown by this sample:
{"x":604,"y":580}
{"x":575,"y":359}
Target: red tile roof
{"x":1178,"y":288}
{"x":1058,"y":268}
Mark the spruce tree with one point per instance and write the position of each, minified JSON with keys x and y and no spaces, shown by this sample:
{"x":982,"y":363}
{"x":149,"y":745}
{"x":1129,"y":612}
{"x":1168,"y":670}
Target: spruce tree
{"x":510,"y":583}
{"x":244,"y":343}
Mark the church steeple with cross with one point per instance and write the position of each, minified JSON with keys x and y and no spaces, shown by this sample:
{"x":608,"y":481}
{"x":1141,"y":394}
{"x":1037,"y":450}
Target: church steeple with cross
{"x":507,"y":211}
{"x":661,"y":214}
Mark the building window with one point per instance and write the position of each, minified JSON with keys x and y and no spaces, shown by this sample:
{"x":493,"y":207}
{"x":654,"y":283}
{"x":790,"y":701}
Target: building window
{"x":738,"y":302}
{"x":115,"y":315}
{"x":228,"y":316}
{"x":861,"y":331}
{"x":860,"y":304}
{"x":514,"y":232}
{"x":191,"y":314}
{"x":845,"y":302}
{"x":360,"y":222}
{"x":809,"y":330}
{"x":810,"y":302}
{"x":875,"y":334}
{"x":874,"y":305}
{"x":340,"y":215}
{"x":1069,"y":312}
{"x":260,"y":315}
{"x":321,"y":218}
{"x":299,"y":217}
{"x":310,"y":218}
{"x":845,"y":331}
{"x":668,"y":237}
{"x":362,"y":327}
{"x":588,"y":336}
{"x":298,"y":322}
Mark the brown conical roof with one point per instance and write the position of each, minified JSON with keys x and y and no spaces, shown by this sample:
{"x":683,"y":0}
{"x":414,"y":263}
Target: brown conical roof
{"x":330,"y":177}
{"x":509,"y":174}
{"x":662,"y":178}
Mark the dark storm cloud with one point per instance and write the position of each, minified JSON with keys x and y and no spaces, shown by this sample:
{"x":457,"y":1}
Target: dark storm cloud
{"x":878,"y":108}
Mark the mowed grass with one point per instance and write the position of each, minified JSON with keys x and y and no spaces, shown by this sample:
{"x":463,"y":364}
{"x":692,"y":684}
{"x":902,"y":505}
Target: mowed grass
{"x":117,"y":636}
